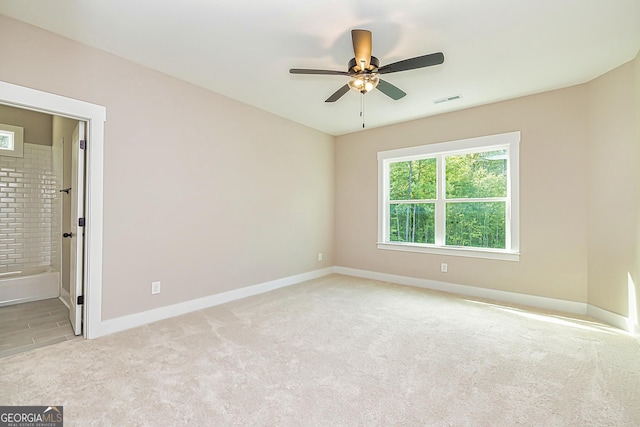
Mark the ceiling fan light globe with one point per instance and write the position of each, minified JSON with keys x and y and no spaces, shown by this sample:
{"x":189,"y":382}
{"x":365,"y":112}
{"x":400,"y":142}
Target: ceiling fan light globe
{"x":372,"y":82}
{"x":356,"y":84}
{"x":364,"y":83}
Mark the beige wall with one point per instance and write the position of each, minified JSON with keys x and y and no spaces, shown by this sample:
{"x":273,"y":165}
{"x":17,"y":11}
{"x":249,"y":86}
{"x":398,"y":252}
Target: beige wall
{"x":552,"y":196}
{"x":580,"y":194}
{"x":201,"y":192}
{"x":614,"y":189}
{"x":37,"y":126}
{"x":207,"y":194}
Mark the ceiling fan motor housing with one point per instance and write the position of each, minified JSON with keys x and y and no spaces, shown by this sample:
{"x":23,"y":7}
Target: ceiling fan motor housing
{"x":354,"y":67}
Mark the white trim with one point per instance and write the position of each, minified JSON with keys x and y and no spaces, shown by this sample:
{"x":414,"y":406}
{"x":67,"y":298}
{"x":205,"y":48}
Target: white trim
{"x":138,"y":319}
{"x":513,"y":189}
{"x":604,"y":316}
{"x":460,"y":145}
{"x":473,"y":291}
{"x":451,"y":251}
{"x":509,"y":141}
{"x":95,"y":116}
{"x":610,"y":318}
{"x":65,"y":297}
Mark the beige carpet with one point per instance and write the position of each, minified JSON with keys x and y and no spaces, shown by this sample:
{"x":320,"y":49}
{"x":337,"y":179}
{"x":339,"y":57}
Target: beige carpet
{"x":340,"y":351}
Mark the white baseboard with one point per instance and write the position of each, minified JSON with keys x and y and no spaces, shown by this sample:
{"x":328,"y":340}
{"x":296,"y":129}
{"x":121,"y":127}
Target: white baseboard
{"x":615,"y":320}
{"x":65,"y":297}
{"x":473,"y":291}
{"x":138,"y":319}
{"x":111,"y":326}
{"x":607,"y":317}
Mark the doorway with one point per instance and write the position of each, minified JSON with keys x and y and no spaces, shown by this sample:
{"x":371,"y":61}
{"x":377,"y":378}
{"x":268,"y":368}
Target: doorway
{"x":41,"y":235}
{"x":91,"y":257}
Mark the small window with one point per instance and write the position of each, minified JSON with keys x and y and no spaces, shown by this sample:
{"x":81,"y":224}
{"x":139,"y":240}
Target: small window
{"x":6,"y":140}
{"x":452,"y":198}
{"x":11,"y":140}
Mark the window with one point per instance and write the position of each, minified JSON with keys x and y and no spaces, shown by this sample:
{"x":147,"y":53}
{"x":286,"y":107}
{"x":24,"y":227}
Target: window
{"x":11,"y":140}
{"x":452,"y":198}
{"x":6,"y":140}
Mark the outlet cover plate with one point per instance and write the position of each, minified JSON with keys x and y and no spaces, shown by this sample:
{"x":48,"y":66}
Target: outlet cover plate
{"x":155,"y":288}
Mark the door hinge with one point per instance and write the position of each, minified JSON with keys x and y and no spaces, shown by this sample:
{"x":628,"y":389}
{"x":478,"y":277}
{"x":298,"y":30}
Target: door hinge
{"x":83,"y":144}
{"x":80,"y":300}
{"x":80,"y":222}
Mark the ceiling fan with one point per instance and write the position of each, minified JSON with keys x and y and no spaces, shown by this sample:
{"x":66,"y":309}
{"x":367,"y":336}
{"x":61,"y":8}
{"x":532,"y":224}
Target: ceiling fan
{"x":364,"y":69}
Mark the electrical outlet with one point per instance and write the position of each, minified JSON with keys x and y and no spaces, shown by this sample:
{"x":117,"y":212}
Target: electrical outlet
{"x":443,"y":267}
{"x":155,"y":288}
{"x":320,"y":256}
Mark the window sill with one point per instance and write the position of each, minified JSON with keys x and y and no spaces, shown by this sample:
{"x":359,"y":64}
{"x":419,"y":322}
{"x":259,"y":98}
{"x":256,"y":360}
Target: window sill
{"x":452,"y":251}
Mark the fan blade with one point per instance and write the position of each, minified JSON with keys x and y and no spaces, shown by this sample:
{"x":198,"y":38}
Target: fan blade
{"x":413,"y":63}
{"x":362,"y":47}
{"x":326,"y":72}
{"x":390,"y":90}
{"x":338,"y":94}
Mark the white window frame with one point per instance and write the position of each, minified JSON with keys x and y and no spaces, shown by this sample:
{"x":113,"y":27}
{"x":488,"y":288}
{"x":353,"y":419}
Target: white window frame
{"x":18,"y":139}
{"x":12,"y":138}
{"x":509,"y":141}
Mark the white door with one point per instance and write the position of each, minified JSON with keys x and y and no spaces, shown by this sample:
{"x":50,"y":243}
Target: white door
{"x":76,"y":270}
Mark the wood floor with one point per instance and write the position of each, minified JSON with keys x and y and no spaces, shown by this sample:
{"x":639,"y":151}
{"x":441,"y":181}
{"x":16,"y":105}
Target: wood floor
{"x":31,"y":325}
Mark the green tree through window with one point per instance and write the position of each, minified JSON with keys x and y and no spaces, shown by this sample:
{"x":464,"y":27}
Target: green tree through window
{"x":479,"y":177}
{"x":412,"y":193}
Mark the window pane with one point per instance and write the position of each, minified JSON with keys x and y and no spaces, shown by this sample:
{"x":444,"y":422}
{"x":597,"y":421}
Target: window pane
{"x":479,"y":225}
{"x":6,"y":141}
{"x":414,"y":180}
{"x":477,"y":175}
{"x":412,"y":222}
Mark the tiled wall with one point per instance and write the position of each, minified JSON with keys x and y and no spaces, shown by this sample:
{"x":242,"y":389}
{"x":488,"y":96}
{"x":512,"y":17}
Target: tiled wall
{"x":57,"y":158}
{"x":28,"y":195}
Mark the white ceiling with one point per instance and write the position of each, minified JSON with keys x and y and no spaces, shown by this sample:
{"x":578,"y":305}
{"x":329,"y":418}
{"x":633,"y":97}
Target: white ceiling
{"x":243,"y":49}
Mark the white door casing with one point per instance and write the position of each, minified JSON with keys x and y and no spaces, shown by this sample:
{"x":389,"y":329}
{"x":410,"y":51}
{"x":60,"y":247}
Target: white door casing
{"x":95,"y":116}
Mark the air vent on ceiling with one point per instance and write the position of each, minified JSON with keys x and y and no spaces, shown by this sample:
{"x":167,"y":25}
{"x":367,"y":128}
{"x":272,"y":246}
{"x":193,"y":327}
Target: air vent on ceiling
{"x":447,"y":99}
